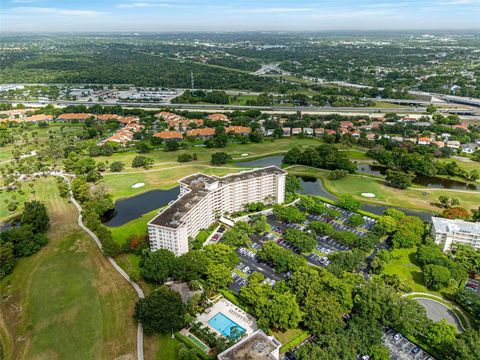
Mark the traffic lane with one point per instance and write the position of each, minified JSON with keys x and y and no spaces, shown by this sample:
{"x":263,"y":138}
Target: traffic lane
{"x":256,"y":265}
{"x":238,"y":282}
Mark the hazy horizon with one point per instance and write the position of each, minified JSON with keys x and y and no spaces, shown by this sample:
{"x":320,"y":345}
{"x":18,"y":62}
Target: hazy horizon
{"x":238,"y":16}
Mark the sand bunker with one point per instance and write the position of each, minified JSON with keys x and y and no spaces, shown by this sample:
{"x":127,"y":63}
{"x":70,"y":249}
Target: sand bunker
{"x":244,"y":155}
{"x":368,"y":195}
{"x":137,"y":185}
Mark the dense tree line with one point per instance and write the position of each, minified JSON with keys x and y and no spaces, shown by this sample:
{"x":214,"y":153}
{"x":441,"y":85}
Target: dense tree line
{"x":323,"y":157}
{"x":25,"y":239}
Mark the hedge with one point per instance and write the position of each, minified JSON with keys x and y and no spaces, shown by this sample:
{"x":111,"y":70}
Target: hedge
{"x":191,"y":345}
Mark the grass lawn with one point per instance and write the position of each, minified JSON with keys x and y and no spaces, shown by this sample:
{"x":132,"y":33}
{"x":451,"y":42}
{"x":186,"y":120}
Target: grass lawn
{"x":66,"y":301}
{"x":134,"y":227}
{"x":7,"y":196}
{"x":120,"y":184}
{"x":290,"y":338}
{"x":357,"y":155}
{"x":403,"y":264}
{"x":242,"y":99}
{"x":413,"y":198}
{"x":168,"y":348}
{"x":204,"y":154}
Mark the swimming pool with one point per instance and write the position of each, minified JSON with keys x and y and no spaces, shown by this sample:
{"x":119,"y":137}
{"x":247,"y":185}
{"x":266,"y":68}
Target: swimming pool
{"x":224,"y":325}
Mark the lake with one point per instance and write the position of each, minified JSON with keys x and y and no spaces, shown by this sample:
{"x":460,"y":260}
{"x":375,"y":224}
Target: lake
{"x":267,"y":161}
{"x":313,"y":186}
{"x":433,"y":182}
{"x":133,"y":207}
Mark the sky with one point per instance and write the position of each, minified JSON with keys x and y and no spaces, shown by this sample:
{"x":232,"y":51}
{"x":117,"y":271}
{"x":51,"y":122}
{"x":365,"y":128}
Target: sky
{"x":236,"y":15}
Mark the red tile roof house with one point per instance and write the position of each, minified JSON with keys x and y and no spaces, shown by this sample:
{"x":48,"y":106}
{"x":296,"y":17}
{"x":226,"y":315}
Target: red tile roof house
{"x":241,"y":130}
{"x":296,"y":131}
{"x":319,"y":132}
{"x":346,"y":124}
{"x":105,"y":117}
{"x":202,"y":133}
{"x":356,"y":134}
{"x":39,"y":117}
{"x":371,"y":136}
{"x":17,"y":113}
{"x":461,"y":126}
{"x":168,"y":116}
{"x":74,"y":117}
{"x":169,"y":135}
{"x":218,"y":117}
{"x":182,"y":125}
{"x":331,"y":132}
{"x":424,"y":141}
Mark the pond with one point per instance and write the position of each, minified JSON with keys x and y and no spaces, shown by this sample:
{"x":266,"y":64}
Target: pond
{"x":433,"y":182}
{"x":266,"y":161}
{"x":9,"y":224}
{"x":133,"y":207}
{"x":313,"y":186}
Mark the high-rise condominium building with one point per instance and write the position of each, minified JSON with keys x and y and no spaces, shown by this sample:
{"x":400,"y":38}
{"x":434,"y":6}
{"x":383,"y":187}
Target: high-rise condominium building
{"x":447,"y":233}
{"x":203,"y":199}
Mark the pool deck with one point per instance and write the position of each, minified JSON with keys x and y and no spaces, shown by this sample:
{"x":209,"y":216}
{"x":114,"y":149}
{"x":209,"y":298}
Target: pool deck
{"x":232,"y":312}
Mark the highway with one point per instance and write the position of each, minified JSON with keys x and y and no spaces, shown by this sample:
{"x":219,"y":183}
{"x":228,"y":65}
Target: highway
{"x":268,"y":109}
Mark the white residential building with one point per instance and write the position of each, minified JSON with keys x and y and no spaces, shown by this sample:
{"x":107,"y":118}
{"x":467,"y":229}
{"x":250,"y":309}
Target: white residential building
{"x":447,"y":232}
{"x":203,"y":199}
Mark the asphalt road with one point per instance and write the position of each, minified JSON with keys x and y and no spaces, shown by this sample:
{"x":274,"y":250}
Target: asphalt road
{"x":437,"y":311}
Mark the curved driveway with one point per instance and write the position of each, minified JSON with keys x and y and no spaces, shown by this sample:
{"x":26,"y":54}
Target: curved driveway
{"x":437,"y":311}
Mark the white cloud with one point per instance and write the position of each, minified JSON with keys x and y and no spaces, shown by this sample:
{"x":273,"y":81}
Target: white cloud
{"x":53,"y":11}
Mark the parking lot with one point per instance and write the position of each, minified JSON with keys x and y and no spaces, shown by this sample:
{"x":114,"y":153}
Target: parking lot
{"x":249,"y":263}
{"x":402,"y":349}
{"x":473,"y":285}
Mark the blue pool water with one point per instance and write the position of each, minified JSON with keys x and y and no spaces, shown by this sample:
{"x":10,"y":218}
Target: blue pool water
{"x":224,"y":325}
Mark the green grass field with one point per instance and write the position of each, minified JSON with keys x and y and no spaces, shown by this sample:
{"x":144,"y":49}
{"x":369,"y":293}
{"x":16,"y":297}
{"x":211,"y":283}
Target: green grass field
{"x":204,"y":154}
{"x":120,"y":184}
{"x":168,"y":348}
{"x":413,"y":198}
{"x":134,"y":227}
{"x":403,"y":264}
{"x":66,"y":301}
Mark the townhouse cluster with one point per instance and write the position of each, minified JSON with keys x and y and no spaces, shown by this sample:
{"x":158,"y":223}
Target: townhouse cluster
{"x":23,"y":116}
{"x":125,"y":134}
{"x":345,"y":127}
{"x":180,"y":126}
{"x":371,"y":127}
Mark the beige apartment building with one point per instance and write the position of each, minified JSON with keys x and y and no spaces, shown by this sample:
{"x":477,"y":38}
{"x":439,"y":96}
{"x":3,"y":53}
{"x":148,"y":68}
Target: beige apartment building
{"x":203,"y":199}
{"x":447,"y":233}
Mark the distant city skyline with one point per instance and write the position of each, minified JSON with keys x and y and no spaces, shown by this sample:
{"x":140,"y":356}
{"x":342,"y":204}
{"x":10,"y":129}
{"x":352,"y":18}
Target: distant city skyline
{"x":237,"y":15}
